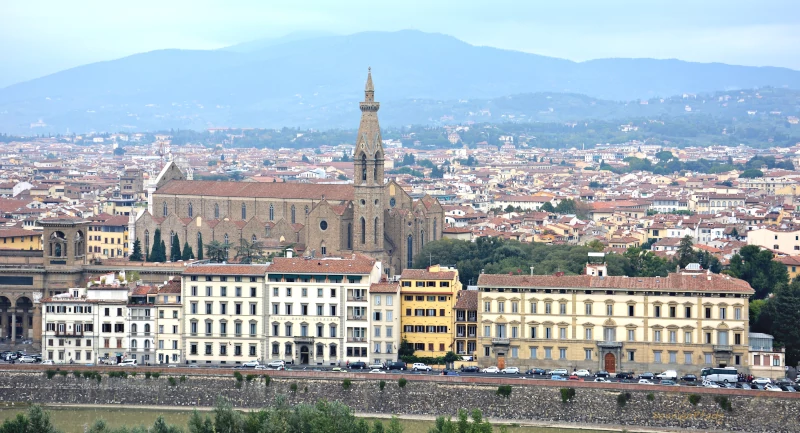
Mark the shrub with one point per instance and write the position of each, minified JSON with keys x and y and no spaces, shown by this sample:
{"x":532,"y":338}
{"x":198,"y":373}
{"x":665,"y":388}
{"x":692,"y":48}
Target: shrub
{"x":504,"y":390}
{"x":293,"y":387}
{"x":88,"y":374}
{"x":50,"y":373}
{"x":156,"y":375}
{"x":63,"y":373}
{"x":382,"y":384}
{"x":694,"y":399}
{"x":172,"y":381}
{"x":133,"y":374}
{"x":622,"y":399}
{"x":250,"y":377}
{"x":147,"y":375}
{"x":651,"y":397}
{"x":567,"y":394}
{"x":76,"y":374}
{"x":402,"y":382}
{"x":97,"y":377}
{"x":267,"y":379}
{"x":346,"y":384}
{"x":238,"y":376}
{"x":183,"y":379}
{"x":723,"y":403}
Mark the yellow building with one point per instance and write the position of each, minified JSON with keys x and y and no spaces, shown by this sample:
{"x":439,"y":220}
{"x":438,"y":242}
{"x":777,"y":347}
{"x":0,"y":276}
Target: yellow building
{"x":681,"y":322}
{"x":792,"y":264}
{"x":20,"y":239}
{"x":108,"y":237}
{"x":428,"y":297}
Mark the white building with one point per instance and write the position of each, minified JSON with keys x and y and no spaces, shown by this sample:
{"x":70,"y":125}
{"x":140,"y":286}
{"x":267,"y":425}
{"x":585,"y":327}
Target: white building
{"x":384,"y":300}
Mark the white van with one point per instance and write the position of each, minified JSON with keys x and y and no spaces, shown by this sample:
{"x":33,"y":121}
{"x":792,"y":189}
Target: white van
{"x":127,"y":363}
{"x":668,"y":375}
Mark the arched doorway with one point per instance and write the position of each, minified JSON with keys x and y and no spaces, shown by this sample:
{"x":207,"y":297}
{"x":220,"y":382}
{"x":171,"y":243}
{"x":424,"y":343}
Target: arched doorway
{"x":304,"y":354}
{"x":610,"y":363}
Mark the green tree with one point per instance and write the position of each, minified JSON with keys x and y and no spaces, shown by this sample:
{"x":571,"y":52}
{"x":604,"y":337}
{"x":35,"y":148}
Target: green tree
{"x":686,"y":253}
{"x":406,"y":349}
{"x":188,"y":254}
{"x":200,"y":247}
{"x":784,"y":314}
{"x":136,"y":253}
{"x":157,"y":254}
{"x":305,"y":159}
{"x":216,"y":251}
{"x":175,"y":249}
{"x":249,"y":252}
{"x":119,"y":151}
{"x":751,"y":173}
{"x":757,"y":267}
{"x":547,"y":207}
{"x":35,"y":420}
{"x":596,"y":245}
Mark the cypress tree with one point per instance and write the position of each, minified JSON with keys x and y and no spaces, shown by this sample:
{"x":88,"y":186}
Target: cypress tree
{"x":188,"y":254}
{"x":136,"y":254}
{"x":162,"y":252}
{"x":199,"y":246}
{"x":155,"y":255}
{"x":175,"y":252}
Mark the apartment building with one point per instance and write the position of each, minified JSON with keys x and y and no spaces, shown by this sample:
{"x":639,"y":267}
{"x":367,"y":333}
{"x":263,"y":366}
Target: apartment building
{"x":223,"y":315}
{"x":318,"y":309}
{"x":107,"y":236}
{"x":765,"y":359}
{"x":384,"y":321}
{"x":169,"y":312}
{"x":785,"y":241}
{"x":683,"y":322}
{"x":85,"y":325}
{"x":466,"y":323}
{"x":428,"y":297}
{"x":142,"y":324}
{"x":20,"y":239}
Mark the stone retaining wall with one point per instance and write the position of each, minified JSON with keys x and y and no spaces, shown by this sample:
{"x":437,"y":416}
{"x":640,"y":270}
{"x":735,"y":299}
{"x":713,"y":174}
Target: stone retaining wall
{"x":424,"y":395}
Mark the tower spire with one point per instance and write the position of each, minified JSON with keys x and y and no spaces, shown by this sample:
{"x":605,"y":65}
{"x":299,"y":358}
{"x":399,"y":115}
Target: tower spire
{"x":369,"y":89}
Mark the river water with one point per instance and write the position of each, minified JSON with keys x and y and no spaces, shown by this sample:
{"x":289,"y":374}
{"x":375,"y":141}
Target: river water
{"x":75,"y":420}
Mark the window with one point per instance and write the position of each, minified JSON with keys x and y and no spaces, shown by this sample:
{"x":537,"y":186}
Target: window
{"x":514,"y":352}
{"x":288,"y":327}
{"x":562,"y":333}
{"x":630,"y":310}
{"x":688,"y":312}
{"x":533,"y":332}
{"x":548,"y":333}
{"x":533,"y":352}
{"x":657,"y":336}
{"x":588,"y":309}
{"x":687,"y":337}
{"x":687,"y":358}
{"x":487,"y":331}
{"x":631,"y":356}
{"x":657,"y":311}
{"x":486,"y":351}
{"x":514,"y":306}
{"x":587,"y":354}
{"x":708,"y":312}
{"x":514,"y":332}
{"x":487,"y":307}
{"x":533,"y":307}
{"x":673,"y":357}
{"x":388,"y":332}
{"x":588,"y":334}
{"x":548,"y":308}
{"x":609,"y":309}
{"x":548,"y":353}
{"x":673,"y":312}
{"x":723,"y":313}
{"x":562,"y":308}
{"x":708,"y":338}
{"x":631,"y":335}
{"x":673,"y":336}
{"x":707,"y":357}
{"x":737,"y":313}
{"x":737,"y":339}
{"x":657,"y":357}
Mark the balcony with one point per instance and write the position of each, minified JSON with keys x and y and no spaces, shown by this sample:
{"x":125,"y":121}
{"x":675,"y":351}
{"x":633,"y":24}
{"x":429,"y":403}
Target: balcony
{"x":501,"y":341}
{"x":356,"y":339}
{"x":67,"y":334}
{"x":351,"y":317}
{"x":357,"y":298}
{"x":723,"y":348}
{"x":304,"y":340}
{"x":609,"y":344}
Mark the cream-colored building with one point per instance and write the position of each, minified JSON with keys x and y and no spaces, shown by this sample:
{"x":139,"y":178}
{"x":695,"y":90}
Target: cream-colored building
{"x":318,"y":309}
{"x":782,"y":241}
{"x":766,"y":360}
{"x":169,"y":324}
{"x":682,"y":322}
{"x":223,"y":317}
{"x":384,"y":321}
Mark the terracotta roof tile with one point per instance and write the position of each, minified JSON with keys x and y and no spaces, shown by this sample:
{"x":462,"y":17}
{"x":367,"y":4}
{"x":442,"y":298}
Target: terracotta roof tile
{"x":673,"y":282}
{"x":384,"y":287}
{"x":467,"y":300}
{"x":252,"y":270}
{"x":423,"y":274}
{"x":356,"y":264}
{"x":257,"y":189}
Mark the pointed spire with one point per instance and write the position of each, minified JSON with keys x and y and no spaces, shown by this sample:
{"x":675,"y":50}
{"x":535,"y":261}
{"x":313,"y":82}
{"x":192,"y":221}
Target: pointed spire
{"x":369,"y":87}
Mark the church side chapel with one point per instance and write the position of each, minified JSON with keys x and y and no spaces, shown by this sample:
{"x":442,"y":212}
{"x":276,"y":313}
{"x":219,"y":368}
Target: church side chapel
{"x":370,"y":216}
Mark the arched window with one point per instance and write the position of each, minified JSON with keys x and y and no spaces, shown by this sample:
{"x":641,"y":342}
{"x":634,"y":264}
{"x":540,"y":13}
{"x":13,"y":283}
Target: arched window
{"x":226,"y":239}
{"x":134,"y":328}
{"x":147,"y":242}
{"x":435,"y":229}
{"x":363,"y":231}
{"x":363,"y":166}
{"x":375,"y":169}
{"x":216,"y":211}
{"x":226,"y":246}
{"x":268,"y":231}
{"x":322,"y":248}
{"x":146,"y":344}
{"x":271,"y":212}
{"x":349,"y":236}
{"x":191,"y":210}
{"x":306,"y":209}
{"x":293,"y":215}
{"x":146,"y":328}
{"x":171,"y":238}
{"x":244,"y":211}
{"x":409,"y":251}
{"x":133,"y":344}
{"x":375,"y":231}
{"x":164,"y":208}
{"x":421,"y":238}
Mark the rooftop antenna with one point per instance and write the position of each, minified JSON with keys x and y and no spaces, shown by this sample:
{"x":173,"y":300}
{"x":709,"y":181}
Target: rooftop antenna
{"x":430,"y":259}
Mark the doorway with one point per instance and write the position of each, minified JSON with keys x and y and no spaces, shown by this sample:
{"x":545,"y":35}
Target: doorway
{"x":501,"y":360}
{"x":610,"y":363}
{"x":303,"y":354}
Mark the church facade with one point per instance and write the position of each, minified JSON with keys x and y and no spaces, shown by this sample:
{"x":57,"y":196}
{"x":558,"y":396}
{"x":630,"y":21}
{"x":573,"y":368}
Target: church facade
{"x":370,"y":216}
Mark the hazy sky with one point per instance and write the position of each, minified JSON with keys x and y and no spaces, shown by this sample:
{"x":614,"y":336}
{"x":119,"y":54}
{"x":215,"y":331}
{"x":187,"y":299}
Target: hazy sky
{"x":38,"y":37}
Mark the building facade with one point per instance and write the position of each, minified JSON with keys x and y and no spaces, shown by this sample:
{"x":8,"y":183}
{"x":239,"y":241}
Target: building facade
{"x":427,"y":300}
{"x":466,"y":323}
{"x":384,"y":299}
{"x":683,"y":322}
{"x":169,"y":312}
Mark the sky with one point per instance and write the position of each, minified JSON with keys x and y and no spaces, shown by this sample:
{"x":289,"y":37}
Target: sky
{"x":39,"y":37}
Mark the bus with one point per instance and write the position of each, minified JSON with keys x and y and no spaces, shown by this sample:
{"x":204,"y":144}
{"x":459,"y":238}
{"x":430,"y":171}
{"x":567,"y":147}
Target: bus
{"x":724,"y":374}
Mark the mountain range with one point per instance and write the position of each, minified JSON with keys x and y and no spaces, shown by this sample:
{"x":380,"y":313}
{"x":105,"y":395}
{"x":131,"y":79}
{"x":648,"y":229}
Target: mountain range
{"x":317,"y":80}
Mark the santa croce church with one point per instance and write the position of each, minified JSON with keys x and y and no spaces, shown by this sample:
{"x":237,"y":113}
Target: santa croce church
{"x":370,"y":216}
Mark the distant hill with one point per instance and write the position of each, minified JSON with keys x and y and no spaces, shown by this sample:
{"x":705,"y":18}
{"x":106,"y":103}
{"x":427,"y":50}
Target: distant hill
{"x":318,"y":82}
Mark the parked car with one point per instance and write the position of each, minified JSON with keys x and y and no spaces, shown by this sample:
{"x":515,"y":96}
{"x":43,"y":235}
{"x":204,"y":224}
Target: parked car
{"x":559,"y":371}
{"x":644,"y":382}
{"x":624,"y":375}
{"x":669,"y":374}
{"x":649,"y":376}
{"x":710,"y":384}
{"x":257,"y":367}
{"x":667,"y":382}
{"x":450,"y":373}
{"x":194,"y":366}
{"x":557,"y":377}
{"x":419,"y":366}
{"x":601,"y":379}
{"x":770,"y":387}
{"x":510,"y":370}
{"x":278,"y":363}
{"x":583,"y":373}
{"x":762,"y":380}
{"x":251,"y":364}
{"x":491,"y":369}
{"x":536,"y":371}
{"x":743,"y":385}
{"x":688,"y":378}
{"x":377,"y":370}
{"x":358,"y":365}
{"x":787,"y":388}
{"x":27,"y":359}
{"x":757,"y":386}
{"x":397,"y":365}
{"x":574,"y":377}
{"x":47,"y":362}
{"x":128,"y":363}
{"x":602,"y":373}
{"x":375,"y":365}
{"x":470,"y":369}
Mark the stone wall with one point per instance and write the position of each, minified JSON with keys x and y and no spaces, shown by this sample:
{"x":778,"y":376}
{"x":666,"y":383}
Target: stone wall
{"x":530,"y":400}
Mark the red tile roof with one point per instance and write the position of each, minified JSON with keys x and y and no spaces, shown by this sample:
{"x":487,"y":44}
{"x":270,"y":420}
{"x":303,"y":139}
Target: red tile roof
{"x":257,"y":189}
{"x":423,"y":274}
{"x":356,"y":264}
{"x":673,"y":282}
{"x":252,"y":270}
{"x":467,"y":300}
{"x":384,"y":287}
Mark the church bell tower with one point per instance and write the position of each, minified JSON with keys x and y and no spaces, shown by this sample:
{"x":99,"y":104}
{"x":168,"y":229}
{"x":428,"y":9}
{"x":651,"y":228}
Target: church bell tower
{"x":368,"y":177}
